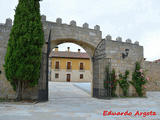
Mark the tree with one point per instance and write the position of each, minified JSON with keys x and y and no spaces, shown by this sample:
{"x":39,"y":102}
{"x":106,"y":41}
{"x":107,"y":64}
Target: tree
{"x":23,"y":57}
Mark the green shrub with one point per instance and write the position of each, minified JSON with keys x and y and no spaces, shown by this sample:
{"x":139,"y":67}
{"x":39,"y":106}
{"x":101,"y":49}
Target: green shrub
{"x":138,"y":79}
{"x":123,"y":82}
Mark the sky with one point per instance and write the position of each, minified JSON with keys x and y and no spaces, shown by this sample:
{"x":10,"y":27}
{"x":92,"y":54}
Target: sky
{"x":138,"y":20}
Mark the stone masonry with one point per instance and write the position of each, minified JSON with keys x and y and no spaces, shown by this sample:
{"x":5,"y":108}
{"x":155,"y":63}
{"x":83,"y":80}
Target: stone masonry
{"x":153,"y":72}
{"x":121,"y":56}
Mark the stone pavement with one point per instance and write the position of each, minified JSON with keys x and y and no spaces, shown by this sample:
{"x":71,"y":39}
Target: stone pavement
{"x":69,"y":102}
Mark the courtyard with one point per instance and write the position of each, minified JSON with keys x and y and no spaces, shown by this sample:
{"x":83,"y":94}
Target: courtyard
{"x":72,"y":101}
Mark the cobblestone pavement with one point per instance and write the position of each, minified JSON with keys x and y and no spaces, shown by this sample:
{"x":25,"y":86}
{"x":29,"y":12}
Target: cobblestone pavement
{"x":69,"y":102}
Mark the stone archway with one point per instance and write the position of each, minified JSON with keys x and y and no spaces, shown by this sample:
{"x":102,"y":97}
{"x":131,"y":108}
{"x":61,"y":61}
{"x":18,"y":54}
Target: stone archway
{"x":57,"y":33}
{"x":87,"y":47}
{"x":103,"y":52}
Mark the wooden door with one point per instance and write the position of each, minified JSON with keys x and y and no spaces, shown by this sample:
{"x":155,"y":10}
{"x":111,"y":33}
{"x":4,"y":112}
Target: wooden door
{"x":68,"y":77}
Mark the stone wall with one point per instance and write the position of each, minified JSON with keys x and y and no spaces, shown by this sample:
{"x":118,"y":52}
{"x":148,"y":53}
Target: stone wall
{"x":121,"y":55}
{"x":153,"y":72}
{"x":60,"y":33}
{"x":6,"y":90}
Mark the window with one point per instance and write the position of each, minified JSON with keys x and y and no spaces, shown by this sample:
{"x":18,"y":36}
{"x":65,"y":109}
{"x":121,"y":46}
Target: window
{"x":57,"y":65}
{"x":68,"y":65}
{"x":81,"y":76}
{"x":81,"y":66}
{"x":56,"y":75}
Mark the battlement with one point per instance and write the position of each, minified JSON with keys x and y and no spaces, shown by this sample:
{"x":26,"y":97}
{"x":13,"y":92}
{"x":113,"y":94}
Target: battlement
{"x":119,"y":39}
{"x":6,"y":27}
{"x":72,"y":23}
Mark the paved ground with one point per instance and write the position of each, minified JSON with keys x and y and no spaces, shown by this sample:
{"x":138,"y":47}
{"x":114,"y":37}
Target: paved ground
{"x":71,"y":101}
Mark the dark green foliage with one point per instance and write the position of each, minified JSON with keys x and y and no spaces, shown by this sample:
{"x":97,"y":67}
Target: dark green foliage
{"x":138,"y":79}
{"x":23,"y":57}
{"x":110,"y":81}
{"x":123,"y":82}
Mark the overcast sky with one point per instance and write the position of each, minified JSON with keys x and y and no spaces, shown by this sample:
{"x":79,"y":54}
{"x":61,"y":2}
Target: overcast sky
{"x":138,"y":20}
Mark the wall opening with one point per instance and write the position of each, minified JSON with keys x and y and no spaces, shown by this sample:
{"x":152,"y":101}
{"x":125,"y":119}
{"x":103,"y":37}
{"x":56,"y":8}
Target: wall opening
{"x":70,"y":70}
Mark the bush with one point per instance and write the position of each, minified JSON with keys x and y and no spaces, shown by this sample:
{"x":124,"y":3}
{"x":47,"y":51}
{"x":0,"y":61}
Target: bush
{"x":138,"y":79}
{"x":123,"y":82}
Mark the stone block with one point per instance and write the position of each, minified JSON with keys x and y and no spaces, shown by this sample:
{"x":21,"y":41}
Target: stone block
{"x":128,"y":41}
{"x":97,"y":28}
{"x":108,"y":37}
{"x":8,"y":22}
{"x":119,"y":39}
{"x":73,"y":23}
{"x":136,"y":43}
{"x":59,"y":21}
{"x":85,"y":25}
{"x":43,"y":18}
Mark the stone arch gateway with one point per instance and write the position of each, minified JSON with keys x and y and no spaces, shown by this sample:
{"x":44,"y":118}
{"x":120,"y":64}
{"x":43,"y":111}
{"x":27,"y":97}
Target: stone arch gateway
{"x":117,"y":54}
{"x":57,"y":33}
{"x":102,"y":52}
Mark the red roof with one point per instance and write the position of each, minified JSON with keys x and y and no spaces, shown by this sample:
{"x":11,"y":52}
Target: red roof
{"x":66,"y":54}
{"x":157,"y":61}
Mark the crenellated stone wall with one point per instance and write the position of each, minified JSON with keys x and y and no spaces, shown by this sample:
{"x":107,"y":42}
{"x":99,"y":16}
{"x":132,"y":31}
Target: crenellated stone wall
{"x":83,"y":36}
{"x":121,"y":55}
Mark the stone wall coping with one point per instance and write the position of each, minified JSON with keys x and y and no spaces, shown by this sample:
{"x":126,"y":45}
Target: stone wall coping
{"x":72,"y":23}
{"x":119,"y":40}
{"x":68,"y":25}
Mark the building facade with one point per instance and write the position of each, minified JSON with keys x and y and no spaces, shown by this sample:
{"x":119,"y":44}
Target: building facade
{"x":67,"y":66}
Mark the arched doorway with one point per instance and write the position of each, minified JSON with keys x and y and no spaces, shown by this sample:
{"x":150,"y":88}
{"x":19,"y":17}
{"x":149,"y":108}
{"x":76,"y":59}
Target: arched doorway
{"x":70,"y":70}
{"x":87,"y":47}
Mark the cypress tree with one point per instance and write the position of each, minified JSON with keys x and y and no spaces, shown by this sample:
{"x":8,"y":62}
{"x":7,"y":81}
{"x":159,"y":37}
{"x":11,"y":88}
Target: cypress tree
{"x":23,"y":57}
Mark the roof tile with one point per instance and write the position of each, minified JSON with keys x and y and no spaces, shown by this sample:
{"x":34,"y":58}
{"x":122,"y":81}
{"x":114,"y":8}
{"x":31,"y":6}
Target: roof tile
{"x":66,"y":54}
